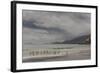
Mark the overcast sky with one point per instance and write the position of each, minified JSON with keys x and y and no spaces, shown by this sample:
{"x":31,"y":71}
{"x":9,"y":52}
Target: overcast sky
{"x":41,"y":27}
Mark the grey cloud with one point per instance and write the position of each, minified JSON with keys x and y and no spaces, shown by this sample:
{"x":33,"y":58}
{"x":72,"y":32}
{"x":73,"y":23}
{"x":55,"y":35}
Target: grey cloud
{"x":45,"y":27}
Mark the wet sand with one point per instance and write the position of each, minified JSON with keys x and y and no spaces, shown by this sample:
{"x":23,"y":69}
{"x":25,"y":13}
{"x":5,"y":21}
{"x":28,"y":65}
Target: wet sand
{"x":81,"y":52}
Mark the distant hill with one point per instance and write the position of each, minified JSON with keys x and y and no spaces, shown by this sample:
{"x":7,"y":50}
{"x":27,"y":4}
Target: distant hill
{"x":79,"y":40}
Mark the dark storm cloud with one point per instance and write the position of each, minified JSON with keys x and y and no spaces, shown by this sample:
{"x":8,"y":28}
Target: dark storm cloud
{"x":31,"y":24}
